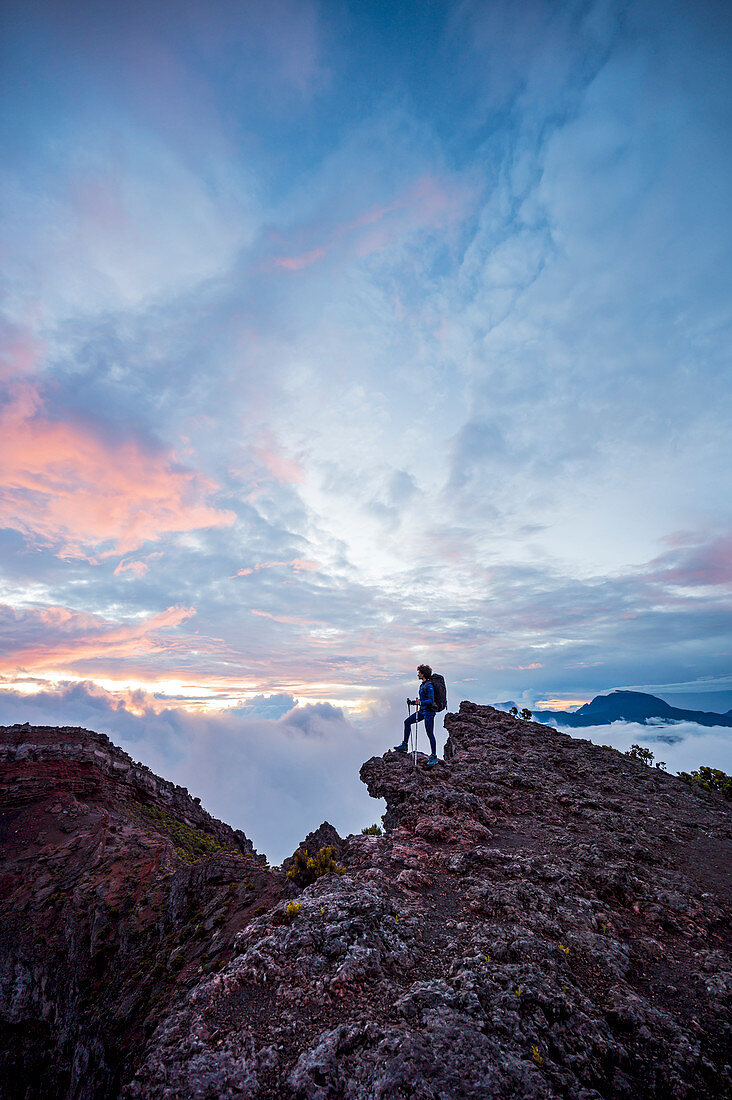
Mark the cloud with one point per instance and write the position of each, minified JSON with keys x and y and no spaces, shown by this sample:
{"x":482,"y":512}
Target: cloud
{"x":491,"y":383}
{"x":691,"y":567}
{"x":65,"y":485}
{"x":682,"y":746}
{"x":298,"y":565}
{"x":58,"y":638}
{"x":428,"y":204}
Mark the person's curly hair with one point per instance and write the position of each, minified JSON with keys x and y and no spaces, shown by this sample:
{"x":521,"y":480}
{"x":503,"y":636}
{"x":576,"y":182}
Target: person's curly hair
{"x":425,"y":670}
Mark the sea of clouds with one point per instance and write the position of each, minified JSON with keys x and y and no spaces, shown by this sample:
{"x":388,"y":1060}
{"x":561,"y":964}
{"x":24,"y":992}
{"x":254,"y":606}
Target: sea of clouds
{"x":682,"y":746}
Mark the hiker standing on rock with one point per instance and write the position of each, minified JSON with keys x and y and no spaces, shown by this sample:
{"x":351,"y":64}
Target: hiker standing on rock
{"x":426,"y":713}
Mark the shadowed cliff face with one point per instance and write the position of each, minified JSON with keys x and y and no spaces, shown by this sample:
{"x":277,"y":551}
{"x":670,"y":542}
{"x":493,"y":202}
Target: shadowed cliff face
{"x":543,"y":918}
{"x":117,"y":891}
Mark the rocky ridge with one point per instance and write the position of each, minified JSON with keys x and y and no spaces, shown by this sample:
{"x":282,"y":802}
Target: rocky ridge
{"x":117,"y":892}
{"x":542,"y":918}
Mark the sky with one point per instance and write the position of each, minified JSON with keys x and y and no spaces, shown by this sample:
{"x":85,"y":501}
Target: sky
{"x":338,"y":337}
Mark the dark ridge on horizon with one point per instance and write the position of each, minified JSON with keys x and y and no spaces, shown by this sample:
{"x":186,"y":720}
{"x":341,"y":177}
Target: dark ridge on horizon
{"x":630,"y":706}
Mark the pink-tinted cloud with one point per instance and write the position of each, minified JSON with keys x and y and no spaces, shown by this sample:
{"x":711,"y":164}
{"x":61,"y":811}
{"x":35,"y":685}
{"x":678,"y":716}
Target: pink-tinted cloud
{"x":138,"y":567}
{"x":297,"y":263}
{"x":289,"y":620}
{"x":57,"y":637}
{"x":697,"y":566}
{"x":20,"y":350}
{"x":298,"y":565}
{"x":302,"y":565}
{"x":64,"y":486}
{"x":430,"y":203}
{"x":269,"y":454}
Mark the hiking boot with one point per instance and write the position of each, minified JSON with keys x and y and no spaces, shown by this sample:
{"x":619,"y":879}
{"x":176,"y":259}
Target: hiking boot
{"x":401,"y":748}
{"x":432,"y":760}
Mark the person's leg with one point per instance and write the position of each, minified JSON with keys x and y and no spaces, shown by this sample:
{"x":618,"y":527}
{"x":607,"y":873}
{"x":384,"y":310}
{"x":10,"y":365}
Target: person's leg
{"x":429,"y":725}
{"x":408,"y":723}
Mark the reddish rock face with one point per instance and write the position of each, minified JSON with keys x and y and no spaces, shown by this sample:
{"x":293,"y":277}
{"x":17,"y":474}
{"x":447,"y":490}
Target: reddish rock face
{"x":117,"y":892}
{"x":543,"y":918}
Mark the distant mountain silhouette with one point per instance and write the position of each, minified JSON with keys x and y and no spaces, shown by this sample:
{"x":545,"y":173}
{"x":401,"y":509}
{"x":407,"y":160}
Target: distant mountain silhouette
{"x":630,"y":706}
{"x":506,"y":705}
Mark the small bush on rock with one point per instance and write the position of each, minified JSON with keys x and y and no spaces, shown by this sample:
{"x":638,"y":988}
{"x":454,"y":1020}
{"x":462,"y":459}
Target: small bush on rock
{"x":637,"y":752}
{"x":306,"y":869}
{"x":709,"y":779}
{"x":373,"y":830}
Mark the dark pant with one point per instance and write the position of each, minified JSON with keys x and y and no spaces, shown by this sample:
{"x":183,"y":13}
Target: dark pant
{"x":429,"y":725}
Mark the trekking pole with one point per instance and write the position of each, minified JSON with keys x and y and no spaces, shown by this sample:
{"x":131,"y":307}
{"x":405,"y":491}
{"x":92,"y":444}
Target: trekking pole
{"x":416,"y":731}
{"x":409,"y":724}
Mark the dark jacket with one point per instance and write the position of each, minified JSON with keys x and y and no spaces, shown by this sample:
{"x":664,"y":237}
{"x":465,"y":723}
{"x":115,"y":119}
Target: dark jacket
{"x":426,"y":699}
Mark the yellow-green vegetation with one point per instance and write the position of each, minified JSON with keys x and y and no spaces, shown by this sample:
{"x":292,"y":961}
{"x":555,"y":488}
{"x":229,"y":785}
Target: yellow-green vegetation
{"x":564,"y":948}
{"x":709,"y":779}
{"x":637,"y":752}
{"x":191,"y":844}
{"x":306,"y":869}
{"x":293,"y":908}
{"x":536,"y":1055}
{"x":373,"y":830}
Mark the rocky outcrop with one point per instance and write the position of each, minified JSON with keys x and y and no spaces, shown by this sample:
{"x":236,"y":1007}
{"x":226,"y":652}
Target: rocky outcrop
{"x":543,"y":918}
{"x":36,"y":759}
{"x":325,"y":836}
{"x":118,"y":892}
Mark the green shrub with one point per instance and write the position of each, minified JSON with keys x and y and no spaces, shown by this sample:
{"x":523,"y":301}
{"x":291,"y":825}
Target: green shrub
{"x":636,"y":752}
{"x":373,"y":830}
{"x":306,"y":869}
{"x":526,"y":714}
{"x":191,"y":844}
{"x":709,"y":779}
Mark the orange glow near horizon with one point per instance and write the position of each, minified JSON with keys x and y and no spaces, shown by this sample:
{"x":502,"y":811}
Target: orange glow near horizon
{"x":202,"y":695}
{"x":560,"y":704}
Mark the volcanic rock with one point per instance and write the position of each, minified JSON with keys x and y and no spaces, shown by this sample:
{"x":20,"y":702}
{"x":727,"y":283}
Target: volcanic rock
{"x":542,"y":918}
{"x":325,"y":836}
{"x":117,"y":892}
